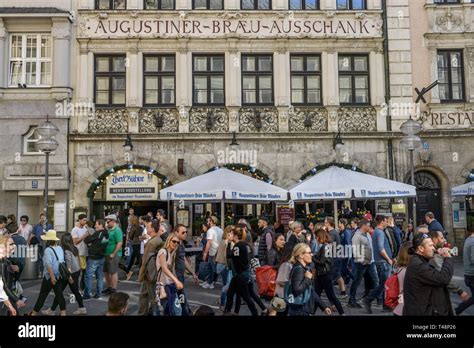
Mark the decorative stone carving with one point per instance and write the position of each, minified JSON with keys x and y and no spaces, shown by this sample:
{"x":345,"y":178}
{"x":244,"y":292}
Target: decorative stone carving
{"x":449,"y":21}
{"x":360,"y":15}
{"x":331,"y":14}
{"x":61,"y":31}
{"x":232,"y":15}
{"x":109,"y":121}
{"x":158,"y":121}
{"x":308,"y":119}
{"x":470,"y":57}
{"x":357,"y":119}
{"x":212,"y":120}
{"x":3,"y":31}
{"x":264,"y":119}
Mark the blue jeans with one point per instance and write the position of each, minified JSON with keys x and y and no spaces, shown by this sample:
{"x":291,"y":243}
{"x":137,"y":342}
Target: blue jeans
{"x":94,"y":267}
{"x":226,"y":275}
{"x":212,"y":268}
{"x":358,"y":271}
{"x":383,"y":272}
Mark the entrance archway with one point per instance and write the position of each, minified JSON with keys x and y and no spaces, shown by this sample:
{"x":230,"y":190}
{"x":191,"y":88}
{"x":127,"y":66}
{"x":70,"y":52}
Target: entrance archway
{"x":429,"y":196}
{"x":141,"y":194}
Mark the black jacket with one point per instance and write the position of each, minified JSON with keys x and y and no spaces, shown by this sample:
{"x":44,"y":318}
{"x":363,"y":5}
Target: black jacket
{"x":262,"y":245}
{"x":322,"y":264}
{"x":97,"y":244}
{"x":299,"y":284}
{"x":273,"y":257}
{"x":8,"y":280}
{"x":425,"y":289}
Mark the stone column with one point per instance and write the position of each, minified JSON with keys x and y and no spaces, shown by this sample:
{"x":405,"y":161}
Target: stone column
{"x":331,"y":89}
{"x":470,"y":73}
{"x":61,"y":36}
{"x":3,"y":78}
{"x":377,"y":87}
{"x":183,"y":76}
{"x":434,"y":73}
{"x":83,"y":94}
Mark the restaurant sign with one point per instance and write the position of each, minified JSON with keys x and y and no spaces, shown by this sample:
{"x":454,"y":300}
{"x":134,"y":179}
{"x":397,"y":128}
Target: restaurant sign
{"x":131,"y":185}
{"x":227,"y":25}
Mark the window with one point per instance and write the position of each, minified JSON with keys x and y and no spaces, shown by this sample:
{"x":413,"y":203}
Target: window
{"x":450,"y":76}
{"x":159,"y":5}
{"x":110,"y":80}
{"x":351,"y":4}
{"x":159,"y":80}
{"x":305,"y":79}
{"x":447,"y":2}
{"x":208,"y":4}
{"x":30,"y":60}
{"x":304,"y":4}
{"x":111,"y":4}
{"x":208,"y":80}
{"x":256,"y":4}
{"x":29,"y":142}
{"x":354,"y":79}
{"x":257,"y":79}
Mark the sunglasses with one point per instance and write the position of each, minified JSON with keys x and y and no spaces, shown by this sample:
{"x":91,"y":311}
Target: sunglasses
{"x":175,"y":241}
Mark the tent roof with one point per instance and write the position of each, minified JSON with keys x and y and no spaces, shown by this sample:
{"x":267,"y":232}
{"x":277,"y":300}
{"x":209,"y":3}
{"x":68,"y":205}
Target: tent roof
{"x":338,"y":183}
{"x":463,"y":190}
{"x":225,"y":184}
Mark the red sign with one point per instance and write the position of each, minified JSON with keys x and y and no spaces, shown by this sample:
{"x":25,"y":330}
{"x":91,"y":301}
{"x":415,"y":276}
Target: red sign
{"x":285,"y":215}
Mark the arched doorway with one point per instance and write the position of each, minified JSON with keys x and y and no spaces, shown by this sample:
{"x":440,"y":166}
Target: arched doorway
{"x":428,"y":189}
{"x":127,"y":186}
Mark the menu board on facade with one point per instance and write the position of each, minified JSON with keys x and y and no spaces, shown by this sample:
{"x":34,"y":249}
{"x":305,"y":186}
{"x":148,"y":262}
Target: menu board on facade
{"x":285,"y":215}
{"x":131,"y":185}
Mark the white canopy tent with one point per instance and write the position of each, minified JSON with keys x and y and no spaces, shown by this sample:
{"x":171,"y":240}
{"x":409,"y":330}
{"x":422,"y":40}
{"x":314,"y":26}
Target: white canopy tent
{"x":224,"y":185}
{"x":463,"y":190}
{"x":335,"y":183}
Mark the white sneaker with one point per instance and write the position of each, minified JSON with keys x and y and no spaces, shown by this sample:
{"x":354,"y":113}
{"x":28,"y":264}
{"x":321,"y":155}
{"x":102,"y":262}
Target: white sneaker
{"x":210,"y":286}
{"x":48,"y":312}
{"x":80,"y":311}
{"x":205,"y":286}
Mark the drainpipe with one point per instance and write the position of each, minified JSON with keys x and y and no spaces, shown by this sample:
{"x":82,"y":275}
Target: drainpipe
{"x":387,"y":88}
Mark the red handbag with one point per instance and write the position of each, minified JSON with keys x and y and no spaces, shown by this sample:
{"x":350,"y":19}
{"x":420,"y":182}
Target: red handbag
{"x":266,"y":281}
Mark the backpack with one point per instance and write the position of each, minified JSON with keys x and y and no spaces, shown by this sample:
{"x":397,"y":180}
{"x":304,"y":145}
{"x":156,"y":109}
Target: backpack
{"x":151,"y":273}
{"x":63,"y":270}
{"x":392,"y":290}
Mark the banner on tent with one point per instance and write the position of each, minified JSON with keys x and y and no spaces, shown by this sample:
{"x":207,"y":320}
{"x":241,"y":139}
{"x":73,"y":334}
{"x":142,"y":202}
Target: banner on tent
{"x":320,"y":195}
{"x":467,"y":191}
{"x":254,"y":196}
{"x":190,"y":196}
{"x":383,"y":193}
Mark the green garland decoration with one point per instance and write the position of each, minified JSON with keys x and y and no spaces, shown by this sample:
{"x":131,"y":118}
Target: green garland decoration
{"x":100,"y":179}
{"x":321,"y":167}
{"x":256,"y":173}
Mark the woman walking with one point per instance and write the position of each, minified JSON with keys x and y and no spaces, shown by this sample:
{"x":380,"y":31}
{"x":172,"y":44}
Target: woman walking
{"x":134,"y":237}
{"x":71,"y":256}
{"x":53,"y":256}
{"x":323,"y":266}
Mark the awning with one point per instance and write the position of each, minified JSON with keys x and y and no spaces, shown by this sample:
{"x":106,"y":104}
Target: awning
{"x":463,"y":190}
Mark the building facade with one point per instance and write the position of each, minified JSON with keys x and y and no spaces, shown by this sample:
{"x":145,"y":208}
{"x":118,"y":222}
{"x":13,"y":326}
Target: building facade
{"x":35,"y":43}
{"x":167,"y":90}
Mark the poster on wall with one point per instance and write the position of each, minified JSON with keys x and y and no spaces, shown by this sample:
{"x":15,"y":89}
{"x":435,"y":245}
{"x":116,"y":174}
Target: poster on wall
{"x":459,"y":215}
{"x":60,"y":217}
{"x":132,"y":185}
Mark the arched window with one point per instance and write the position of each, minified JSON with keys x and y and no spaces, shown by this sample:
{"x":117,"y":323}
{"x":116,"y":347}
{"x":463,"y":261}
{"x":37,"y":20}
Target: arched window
{"x":29,"y":142}
{"x":426,"y":181}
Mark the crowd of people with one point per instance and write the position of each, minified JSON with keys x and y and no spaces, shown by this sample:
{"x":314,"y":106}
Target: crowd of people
{"x":406,"y":272}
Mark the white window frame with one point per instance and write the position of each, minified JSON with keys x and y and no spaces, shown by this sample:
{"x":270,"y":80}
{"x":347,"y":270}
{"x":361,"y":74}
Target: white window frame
{"x":23,"y":59}
{"x":27,"y":140}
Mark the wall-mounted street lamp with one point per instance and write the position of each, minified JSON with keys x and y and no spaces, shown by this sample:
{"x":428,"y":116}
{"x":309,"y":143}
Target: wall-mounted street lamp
{"x":337,"y":142}
{"x":128,"y":146}
{"x":234,"y":140}
{"x":47,"y":144}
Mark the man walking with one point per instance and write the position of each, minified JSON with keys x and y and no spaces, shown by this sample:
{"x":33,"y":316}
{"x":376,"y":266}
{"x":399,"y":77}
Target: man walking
{"x":468,"y":259}
{"x":79,"y":233}
{"x":266,"y":239}
{"x":363,"y":261}
{"x":113,"y":252}
{"x":214,"y":237}
{"x":383,"y":261}
{"x":433,"y":224}
{"x":425,"y":289}
{"x":147,"y":303}
{"x":182,"y":264}
{"x":330,"y":226}
{"x":97,"y":243}
{"x":161,"y":217}
{"x":35,"y":239}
